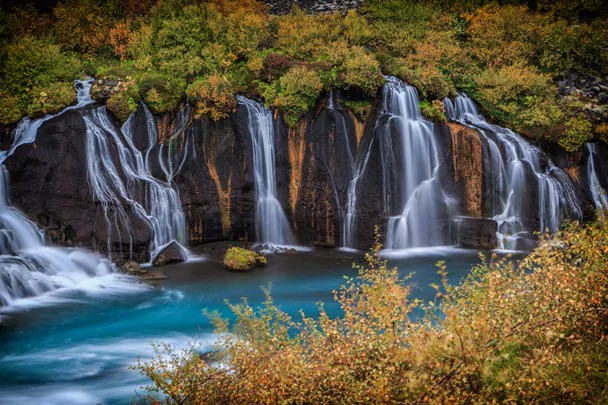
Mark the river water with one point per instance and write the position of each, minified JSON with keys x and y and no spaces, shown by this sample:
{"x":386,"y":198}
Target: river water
{"x":74,"y":346}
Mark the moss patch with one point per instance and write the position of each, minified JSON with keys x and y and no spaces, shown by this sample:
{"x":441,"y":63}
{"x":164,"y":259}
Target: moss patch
{"x":239,"y":259}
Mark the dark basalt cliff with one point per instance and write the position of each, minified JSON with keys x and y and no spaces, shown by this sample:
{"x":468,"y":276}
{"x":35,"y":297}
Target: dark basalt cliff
{"x":314,"y":164}
{"x":312,"y":6}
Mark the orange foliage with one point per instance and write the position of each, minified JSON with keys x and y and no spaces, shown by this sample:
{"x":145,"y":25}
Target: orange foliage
{"x":119,"y":39}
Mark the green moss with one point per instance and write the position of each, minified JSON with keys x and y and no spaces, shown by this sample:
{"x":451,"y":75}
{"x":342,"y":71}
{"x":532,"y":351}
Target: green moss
{"x":239,"y":259}
{"x":433,"y":111}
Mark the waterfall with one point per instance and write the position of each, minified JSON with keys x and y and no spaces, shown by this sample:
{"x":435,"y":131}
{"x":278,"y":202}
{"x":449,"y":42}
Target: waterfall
{"x":509,"y":164}
{"x":271,"y":222}
{"x":598,"y":194}
{"x":132,"y":184}
{"x":357,"y":164}
{"x":414,"y":164}
{"x":28,"y":267}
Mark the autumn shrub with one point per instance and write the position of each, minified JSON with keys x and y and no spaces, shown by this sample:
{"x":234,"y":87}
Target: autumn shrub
{"x":212,"y":96}
{"x":50,"y":99}
{"x":10,"y":108}
{"x":362,"y":70}
{"x":276,"y":65}
{"x":294,"y":93}
{"x":162,"y":93}
{"x":36,"y":76}
{"x":82,"y":25}
{"x":579,"y":131}
{"x":121,"y":105}
{"x":535,"y":332}
{"x":433,"y":111}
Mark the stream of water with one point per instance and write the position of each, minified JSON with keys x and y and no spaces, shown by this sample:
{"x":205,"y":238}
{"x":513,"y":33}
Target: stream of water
{"x":75,"y":346}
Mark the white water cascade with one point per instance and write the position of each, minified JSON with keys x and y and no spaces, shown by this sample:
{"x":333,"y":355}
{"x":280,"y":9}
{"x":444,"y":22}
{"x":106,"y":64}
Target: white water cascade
{"x":28,"y":267}
{"x":132,"y":184}
{"x":271,"y":222}
{"x":598,"y":193}
{"x":415,"y":164}
{"x":357,"y":164}
{"x":509,"y":164}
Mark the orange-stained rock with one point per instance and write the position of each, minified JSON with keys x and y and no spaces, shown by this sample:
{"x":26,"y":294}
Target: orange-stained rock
{"x":467,"y":155}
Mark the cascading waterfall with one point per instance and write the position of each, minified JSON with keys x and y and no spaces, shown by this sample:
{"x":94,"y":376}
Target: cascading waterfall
{"x":508,"y":160}
{"x":28,"y":268}
{"x":357,"y":164}
{"x":425,"y":207}
{"x":271,"y":221}
{"x":152,"y":200}
{"x":598,"y":194}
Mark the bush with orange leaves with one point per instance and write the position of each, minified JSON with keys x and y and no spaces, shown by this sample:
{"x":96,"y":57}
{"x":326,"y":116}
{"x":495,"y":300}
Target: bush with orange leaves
{"x":536,"y":332}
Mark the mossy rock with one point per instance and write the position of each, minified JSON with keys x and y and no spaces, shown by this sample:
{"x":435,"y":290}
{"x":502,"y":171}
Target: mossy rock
{"x":239,"y":259}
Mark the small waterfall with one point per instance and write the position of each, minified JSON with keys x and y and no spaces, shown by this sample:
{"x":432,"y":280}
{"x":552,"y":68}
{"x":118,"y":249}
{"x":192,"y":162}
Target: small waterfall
{"x":598,"y":194}
{"x":509,"y":162}
{"x":357,"y":164}
{"x":271,"y":222}
{"x":132,"y":183}
{"x":28,"y":268}
{"x":425,"y":207}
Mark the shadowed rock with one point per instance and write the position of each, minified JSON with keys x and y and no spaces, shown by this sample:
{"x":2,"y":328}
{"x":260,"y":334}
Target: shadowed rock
{"x":172,"y":253}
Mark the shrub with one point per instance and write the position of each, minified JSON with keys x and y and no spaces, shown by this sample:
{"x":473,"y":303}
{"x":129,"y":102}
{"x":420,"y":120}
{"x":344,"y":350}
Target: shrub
{"x":10,"y":108}
{"x":213,"y":96}
{"x":361,"y":108}
{"x":362,"y":70}
{"x":578,"y":133}
{"x":433,"y":111}
{"x":50,"y":99}
{"x":82,"y":25}
{"x":276,"y":65}
{"x":239,"y":259}
{"x":121,"y":105}
{"x":36,"y":62}
{"x":533,"y":333}
{"x":160,"y":92}
{"x":294,"y":93}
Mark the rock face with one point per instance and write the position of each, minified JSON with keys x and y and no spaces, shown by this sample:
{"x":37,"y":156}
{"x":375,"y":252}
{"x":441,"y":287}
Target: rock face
{"x":172,"y":253}
{"x":49,"y":184}
{"x":279,"y":7}
{"x":212,"y":168}
{"x":467,"y":157}
{"x":476,"y":233}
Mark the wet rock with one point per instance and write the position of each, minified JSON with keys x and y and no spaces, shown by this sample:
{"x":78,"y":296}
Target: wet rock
{"x":103,"y":89}
{"x":476,"y":233}
{"x":132,"y":268}
{"x":468,"y":162}
{"x":525,"y":244}
{"x":239,"y":259}
{"x":154,"y":276}
{"x":49,"y":184}
{"x":324,"y":245}
{"x":172,"y":253}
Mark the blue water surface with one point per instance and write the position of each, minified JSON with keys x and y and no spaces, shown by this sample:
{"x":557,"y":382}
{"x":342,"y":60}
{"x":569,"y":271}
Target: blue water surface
{"x":74,"y":347}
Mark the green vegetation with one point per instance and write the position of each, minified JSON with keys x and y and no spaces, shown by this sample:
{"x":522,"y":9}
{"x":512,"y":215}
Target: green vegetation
{"x":239,"y":259}
{"x":508,"y":57}
{"x":532,"y":333}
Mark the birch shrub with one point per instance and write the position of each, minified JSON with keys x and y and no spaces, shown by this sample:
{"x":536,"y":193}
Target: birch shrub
{"x":529,"y":333}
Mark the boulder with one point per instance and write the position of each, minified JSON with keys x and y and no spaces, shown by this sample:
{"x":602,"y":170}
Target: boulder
{"x":239,"y":259}
{"x":154,"y":276}
{"x":476,"y":233}
{"x":172,"y":253}
{"x":132,"y":268}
